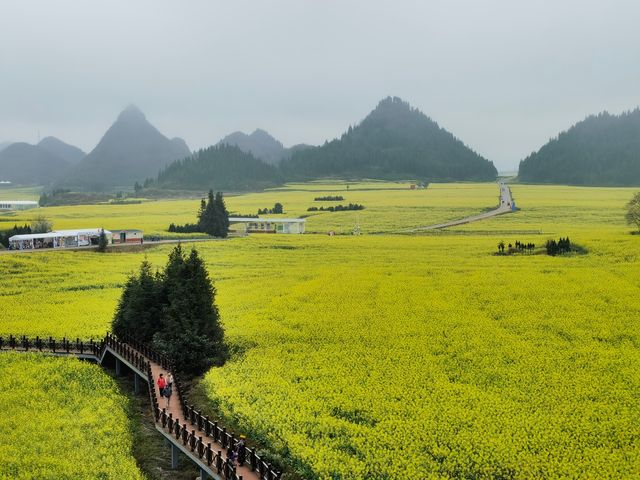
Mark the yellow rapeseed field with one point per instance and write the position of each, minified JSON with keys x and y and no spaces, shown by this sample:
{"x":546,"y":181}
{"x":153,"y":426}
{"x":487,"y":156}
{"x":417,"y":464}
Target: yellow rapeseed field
{"x":62,"y":419}
{"x":396,"y":356}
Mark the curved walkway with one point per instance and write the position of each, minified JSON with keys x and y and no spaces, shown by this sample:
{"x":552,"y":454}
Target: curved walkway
{"x":205,"y":443}
{"x":505,"y":206}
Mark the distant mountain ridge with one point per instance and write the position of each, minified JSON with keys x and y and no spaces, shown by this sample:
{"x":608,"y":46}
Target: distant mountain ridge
{"x":131,"y":150}
{"x":262,"y":145}
{"x":602,"y":149}
{"x":22,"y":163}
{"x":259,"y":143}
{"x":67,"y":152}
{"x":393,"y":141}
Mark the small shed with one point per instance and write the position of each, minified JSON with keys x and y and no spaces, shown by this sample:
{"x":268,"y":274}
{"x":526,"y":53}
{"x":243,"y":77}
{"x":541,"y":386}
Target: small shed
{"x":127,"y":236}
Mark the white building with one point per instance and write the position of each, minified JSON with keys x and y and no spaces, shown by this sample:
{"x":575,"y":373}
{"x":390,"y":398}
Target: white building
{"x":58,"y":239}
{"x":266,"y":225}
{"x":127,"y":236}
{"x":10,"y":205}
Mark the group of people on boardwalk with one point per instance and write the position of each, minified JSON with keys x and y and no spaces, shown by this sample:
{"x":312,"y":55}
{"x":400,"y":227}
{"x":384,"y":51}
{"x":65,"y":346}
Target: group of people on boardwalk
{"x":165,"y":385}
{"x":236,"y":453}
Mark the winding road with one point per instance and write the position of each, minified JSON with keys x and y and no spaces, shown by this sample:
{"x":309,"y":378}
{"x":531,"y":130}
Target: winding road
{"x":505,"y":206}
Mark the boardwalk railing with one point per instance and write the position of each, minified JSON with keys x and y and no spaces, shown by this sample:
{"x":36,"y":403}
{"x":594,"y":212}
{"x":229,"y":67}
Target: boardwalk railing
{"x":204,"y":438}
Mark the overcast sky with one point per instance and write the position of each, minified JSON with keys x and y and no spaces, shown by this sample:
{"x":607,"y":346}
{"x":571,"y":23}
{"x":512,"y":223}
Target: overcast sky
{"x":502,"y":75}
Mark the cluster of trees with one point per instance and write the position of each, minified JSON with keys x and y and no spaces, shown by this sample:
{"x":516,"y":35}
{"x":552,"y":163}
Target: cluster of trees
{"x":329,"y":198}
{"x":563,"y":245}
{"x":517,"y":247}
{"x":393,"y":141}
{"x":213,"y":218}
{"x":337,"y":208}
{"x":600,"y":150}
{"x":277,"y":208}
{"x":633,"y":211}
{"x":16,"y":230}
{"x":174,"y":311}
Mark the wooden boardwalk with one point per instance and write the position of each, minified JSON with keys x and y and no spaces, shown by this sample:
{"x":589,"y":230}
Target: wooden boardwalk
{"x":205,"y":443}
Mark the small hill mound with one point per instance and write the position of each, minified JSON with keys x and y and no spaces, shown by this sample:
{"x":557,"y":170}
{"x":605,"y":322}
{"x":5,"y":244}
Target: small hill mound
{"x":22,"y":163}
{"x":603,"y":149}
{"x":221,"y":167}
{"x":67,"y":152}
{"x":393,"y":141}
{"x":131,"y":150}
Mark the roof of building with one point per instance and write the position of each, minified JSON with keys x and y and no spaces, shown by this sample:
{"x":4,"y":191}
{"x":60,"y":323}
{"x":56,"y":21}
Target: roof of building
{"x":126,"y":230}
{"x":19,"y":202}
{"x":58,"y":234}
{"x":270,"y":220}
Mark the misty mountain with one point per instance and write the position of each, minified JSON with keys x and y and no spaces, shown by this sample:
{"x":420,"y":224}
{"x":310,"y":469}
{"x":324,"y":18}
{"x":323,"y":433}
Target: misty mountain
{"x":260,"y":144}
{"x":603,"y":149}
{"x":67,"y":152}
{"x":22,"y":163}
{"x":4,"y":145}
{"x":131,"y":150}
{"x":220,"y":167}
{"x":393,"y":141}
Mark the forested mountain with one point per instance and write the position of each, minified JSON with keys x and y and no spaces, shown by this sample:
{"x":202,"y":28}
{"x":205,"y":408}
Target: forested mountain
{"x":603,"y":149}
{"x":393,"y":141}
{"x":67,"y":152}
{"x":131,"y":150}
{"x":221,"y":167}
{"x":260,"y":144}
{"x":22,"y":163}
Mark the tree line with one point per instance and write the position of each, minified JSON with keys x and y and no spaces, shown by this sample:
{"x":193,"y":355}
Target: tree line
{"x":337,"y":208}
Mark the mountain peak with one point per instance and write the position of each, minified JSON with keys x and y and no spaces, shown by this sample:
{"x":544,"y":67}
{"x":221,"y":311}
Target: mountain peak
{"x":132,"y":113}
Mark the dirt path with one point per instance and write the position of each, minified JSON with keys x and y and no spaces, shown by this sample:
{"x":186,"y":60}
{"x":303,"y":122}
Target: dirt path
{"x":506,"y":202}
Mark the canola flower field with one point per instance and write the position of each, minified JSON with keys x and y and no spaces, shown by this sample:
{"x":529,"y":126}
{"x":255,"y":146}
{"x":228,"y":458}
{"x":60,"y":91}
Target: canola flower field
{"x":62,"y":419}
{"x":389,"y":207}
{"x":396,"y":356}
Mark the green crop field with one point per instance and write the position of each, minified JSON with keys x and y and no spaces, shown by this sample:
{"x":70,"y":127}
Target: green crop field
{"x":62,"y":419}
{"x":398,"y":356}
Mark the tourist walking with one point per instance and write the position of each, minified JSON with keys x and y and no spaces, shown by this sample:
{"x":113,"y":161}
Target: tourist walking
{"x":161,"y":384}
{"x":167,"y":394}
{"x":170,"y":380}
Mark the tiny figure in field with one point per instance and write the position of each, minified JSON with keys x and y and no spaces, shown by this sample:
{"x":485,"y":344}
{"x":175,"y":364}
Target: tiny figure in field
{"x":166,"y":393}
{"x":161,"y":384}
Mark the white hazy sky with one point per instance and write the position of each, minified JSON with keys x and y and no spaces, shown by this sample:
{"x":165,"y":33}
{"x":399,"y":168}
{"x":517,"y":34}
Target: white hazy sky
{"x":502,"y":75}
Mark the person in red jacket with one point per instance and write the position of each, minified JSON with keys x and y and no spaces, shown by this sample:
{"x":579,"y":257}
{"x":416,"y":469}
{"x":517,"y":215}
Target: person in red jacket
{"x":161,"y":384}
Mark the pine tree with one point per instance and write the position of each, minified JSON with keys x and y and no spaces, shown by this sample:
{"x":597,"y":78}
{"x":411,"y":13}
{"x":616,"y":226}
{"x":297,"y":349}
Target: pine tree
{"x":222,"y":217}
{"x":192,"y":334}
{"x":139,"y":311}
{"x":102,"y":241}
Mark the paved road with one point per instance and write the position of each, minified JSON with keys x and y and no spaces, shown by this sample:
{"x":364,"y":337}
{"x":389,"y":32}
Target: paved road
{"x":506,"y":202}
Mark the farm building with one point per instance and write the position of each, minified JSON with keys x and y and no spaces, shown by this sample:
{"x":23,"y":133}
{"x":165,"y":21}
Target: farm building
{"x":58,"y":239}
{"x":127,"y":236}
{"x":266,"y":225}
{"x":11,"y":205}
